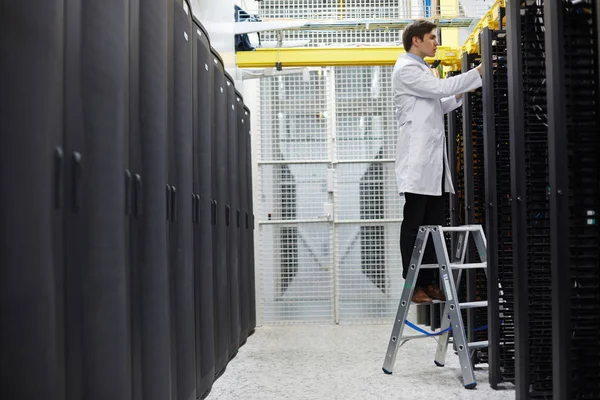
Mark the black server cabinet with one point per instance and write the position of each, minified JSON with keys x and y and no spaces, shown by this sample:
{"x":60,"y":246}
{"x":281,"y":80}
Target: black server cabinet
{"x":203,"y":251}
{"x":498,"y":223}
{"x":32,"y":203}
{"x":97,"y":313}
{"x":150,"y":300}
{"x":233,"y":232}
{"x":530,"y":206}
{"x":574,"y":181}
{"x":250,"y":232}
{"x":244,"y":225}
{"x":221,"y":216}
{"x":179,"y":204}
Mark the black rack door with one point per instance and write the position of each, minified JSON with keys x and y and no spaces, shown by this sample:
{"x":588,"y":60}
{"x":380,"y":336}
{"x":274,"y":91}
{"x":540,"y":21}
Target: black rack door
{"x":244,"y":265}
{"x":150,"y":275}
{"x":530,"y":213}
{"x":498,"y":220}
{"x":574,"y":169}
{"x":250,"y":233}
{"x":203,"y":240}
{"x":181,"y":246}
{"x":97,"y":303}
{"x":32,"y":202}
{"x":219,"y":175}
{"x":233,"y":233}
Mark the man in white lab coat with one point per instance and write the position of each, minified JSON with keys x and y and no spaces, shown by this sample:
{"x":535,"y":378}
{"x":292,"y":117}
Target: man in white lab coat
{"x":422,"y":172}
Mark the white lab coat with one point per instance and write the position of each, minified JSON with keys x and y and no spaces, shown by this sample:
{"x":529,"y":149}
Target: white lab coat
{"x":420,"y":101}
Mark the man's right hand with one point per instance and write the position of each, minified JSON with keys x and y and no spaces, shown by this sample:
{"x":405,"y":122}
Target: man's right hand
{"x":480,"y":69}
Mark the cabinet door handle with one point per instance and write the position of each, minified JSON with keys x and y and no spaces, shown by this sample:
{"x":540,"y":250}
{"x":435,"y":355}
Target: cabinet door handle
{"x":76,"y":180}
{"x":137,"y":193}
{"x":58,"y":177}
{"x":173,"y":203}
{"x":227,"y":215}
{"x":214,"y":212}
{"x":238,"y":217}
{"x":128,"y":192}
{"x":168,"y":203}
{"x":197,"y":208}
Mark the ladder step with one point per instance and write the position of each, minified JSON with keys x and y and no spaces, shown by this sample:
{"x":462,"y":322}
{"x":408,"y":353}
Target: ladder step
{"x":469,"y":266}
{"x":429,"y":266}
{"x":478,"y":345}
{"x":412,"y":337}
{"x":465,"y":228}
{"x":474,"y":304}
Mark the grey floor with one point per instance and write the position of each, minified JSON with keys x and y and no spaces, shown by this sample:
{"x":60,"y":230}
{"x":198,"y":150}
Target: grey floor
{"x":342,"y":362}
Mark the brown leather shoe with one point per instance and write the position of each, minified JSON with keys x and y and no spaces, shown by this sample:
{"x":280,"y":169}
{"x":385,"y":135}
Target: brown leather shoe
{"x":435,"y":293}
{"x":419,"y":296}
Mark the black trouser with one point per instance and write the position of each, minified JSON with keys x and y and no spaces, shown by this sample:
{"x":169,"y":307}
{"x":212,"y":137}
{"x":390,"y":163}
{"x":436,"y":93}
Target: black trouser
{"x":420,"y":210}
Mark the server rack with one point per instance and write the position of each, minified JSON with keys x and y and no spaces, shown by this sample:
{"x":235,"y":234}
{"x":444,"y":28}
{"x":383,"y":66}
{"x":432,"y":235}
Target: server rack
{"x":180,"y":204}
{"x":497,"y":193}
{"x":151,"y":319}
{"x":574,"y":169}
{"x":32,"y":159}
{"x":203,"y":240}
{"x":220,"y":189}
{"x":244,"y":264}
{"x":250,"y":233}
{"x":96,"y":130}
{"x":529,"y":179}
{"x":133,"y":197}
{"x":233,"y":237}
{"x":473,"y":201}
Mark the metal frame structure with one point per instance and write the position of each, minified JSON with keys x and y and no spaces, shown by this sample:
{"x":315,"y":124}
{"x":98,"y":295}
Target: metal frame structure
{"x":334,"y":56}
{"x":518,"y":190}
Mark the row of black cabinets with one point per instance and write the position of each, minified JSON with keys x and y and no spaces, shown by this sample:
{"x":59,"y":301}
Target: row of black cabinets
{"x":126,"y":224}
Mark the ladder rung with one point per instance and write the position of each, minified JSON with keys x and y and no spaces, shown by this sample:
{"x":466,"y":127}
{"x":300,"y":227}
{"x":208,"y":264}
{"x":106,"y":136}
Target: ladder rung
{"x":478,"y":345}
{"x":428,"y":303}
{"x":469,"y":266}
{"x":470,"y":228}
{"x":412,"y":337}
{"x":429,"y":266}
{"x":474,"y":304}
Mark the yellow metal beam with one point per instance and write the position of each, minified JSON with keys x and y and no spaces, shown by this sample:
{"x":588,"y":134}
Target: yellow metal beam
{"x":333,"y":56}
{"x":489,"y":20}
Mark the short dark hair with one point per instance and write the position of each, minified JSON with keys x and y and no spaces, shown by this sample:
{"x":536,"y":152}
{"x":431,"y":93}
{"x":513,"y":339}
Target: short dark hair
{"x":418,"y":28}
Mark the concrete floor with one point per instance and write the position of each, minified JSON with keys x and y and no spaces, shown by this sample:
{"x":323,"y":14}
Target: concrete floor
{"x":342,"y":362}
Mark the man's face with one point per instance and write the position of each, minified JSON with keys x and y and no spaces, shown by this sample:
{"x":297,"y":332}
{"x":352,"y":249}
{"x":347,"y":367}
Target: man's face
{"x":428,"y":45}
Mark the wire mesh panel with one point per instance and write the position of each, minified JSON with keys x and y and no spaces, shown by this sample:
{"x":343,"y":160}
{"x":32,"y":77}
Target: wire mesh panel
{"x":293,"y":192}
{"x":365,"y":120}
{"x":381,"y":9}
{"x":297,"y":272}
{"x":294,"y":117}
{"x":366,"y":191}
{"x":370,"y":276}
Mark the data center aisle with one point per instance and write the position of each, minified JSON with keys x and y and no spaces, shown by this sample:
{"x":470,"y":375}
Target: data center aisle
{"x":342,"y":362}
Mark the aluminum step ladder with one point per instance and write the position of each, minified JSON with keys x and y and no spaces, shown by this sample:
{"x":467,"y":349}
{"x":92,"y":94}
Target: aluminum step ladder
{"x":450,"y":274}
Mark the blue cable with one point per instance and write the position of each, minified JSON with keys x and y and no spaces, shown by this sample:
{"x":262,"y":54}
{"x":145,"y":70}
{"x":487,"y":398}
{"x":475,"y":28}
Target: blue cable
{"x":423,"y":331}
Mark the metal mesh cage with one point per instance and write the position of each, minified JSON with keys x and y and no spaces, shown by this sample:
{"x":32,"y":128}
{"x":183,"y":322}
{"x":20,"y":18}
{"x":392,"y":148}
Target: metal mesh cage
{"x":297,"y":272}
{"x":368,"y":266}
{"x":326,"y":149}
